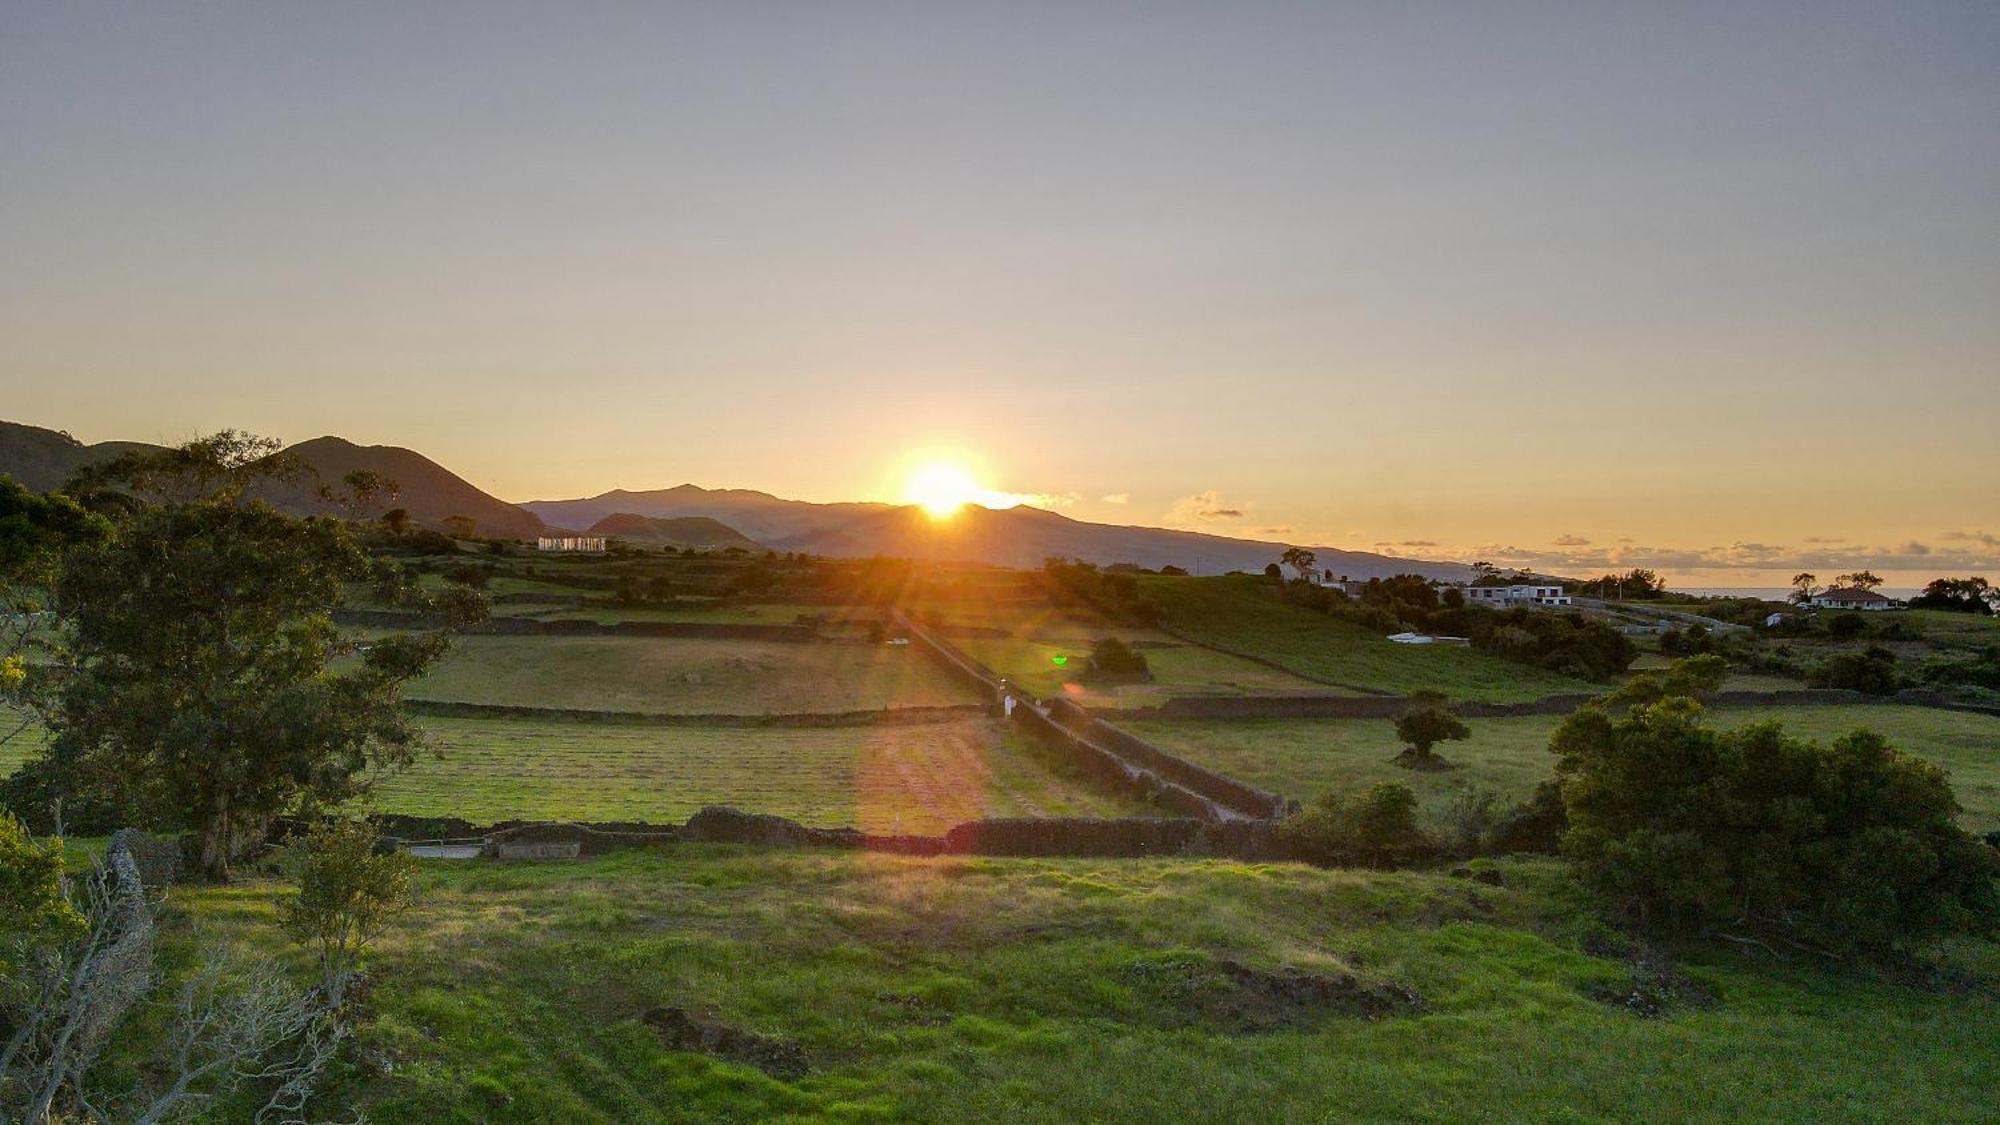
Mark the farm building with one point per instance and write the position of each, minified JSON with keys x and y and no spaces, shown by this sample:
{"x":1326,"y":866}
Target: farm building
{"x":1852,"y":597}
{"x":570,"y":543}
{"x":1504,"y":596}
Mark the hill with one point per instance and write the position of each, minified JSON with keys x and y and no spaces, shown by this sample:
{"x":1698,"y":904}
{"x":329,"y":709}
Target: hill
{"x":1024,"y":536}
{"x":1019,"y":537}
{"x":681,"y":531}
{"x":427,"y":490}
{"x":44,"y":459}
{"x":759,"y":515}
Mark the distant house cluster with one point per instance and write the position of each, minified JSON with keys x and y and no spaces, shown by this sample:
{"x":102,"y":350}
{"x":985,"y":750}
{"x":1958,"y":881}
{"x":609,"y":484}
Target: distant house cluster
{"x":570,"y":543}
{"x":1504,"y":596}
{"x":1851,"y":597}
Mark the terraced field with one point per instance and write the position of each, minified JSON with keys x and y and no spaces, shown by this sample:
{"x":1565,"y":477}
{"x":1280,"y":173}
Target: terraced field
{"x":687,"y":676}
{"x":1234,"y":615}
{"x":1509,"y":757}
{"x":909,"y":778}
{"x":1177,"y":669}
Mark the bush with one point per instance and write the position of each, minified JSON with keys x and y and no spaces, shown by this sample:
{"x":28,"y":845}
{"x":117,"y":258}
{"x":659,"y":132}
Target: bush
{"x":1113,"y":657}
{"x":1872,"y":671}
{"x":347,"y":889}
{"x":1851,"y":845}
{"x":1377,"y":828}
{"x":1845,"y":626}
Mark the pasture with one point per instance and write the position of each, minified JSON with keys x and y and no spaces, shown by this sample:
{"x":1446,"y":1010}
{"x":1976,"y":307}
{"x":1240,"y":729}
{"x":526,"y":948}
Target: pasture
{"x":916,"y":778}
{"x":1177,"y":669}
{"x":1302,"y":758}
{"x":1235,"y":615}
{"x":962,"y":989}
{"x":687,"y":676}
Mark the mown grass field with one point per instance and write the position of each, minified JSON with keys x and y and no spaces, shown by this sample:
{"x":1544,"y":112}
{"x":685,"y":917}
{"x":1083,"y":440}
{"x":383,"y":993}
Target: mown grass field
{"x":920,"y":778}
{"x":1179,"y":669}
{"x":1090,"y":990}
{"x":686,"y":676}
{"x":1302,"y":758}
{"x":1235,"y":615}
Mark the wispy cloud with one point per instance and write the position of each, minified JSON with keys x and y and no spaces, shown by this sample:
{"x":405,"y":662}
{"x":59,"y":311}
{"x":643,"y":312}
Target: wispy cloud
{"x":1117,"y":498}
{"x":1984,"y":539}
{"x":1203,"y":508}
{"x":1571,"y":541}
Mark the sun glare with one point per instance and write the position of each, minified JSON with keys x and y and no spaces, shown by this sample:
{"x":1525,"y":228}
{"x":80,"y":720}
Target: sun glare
{"x":941,"y":488}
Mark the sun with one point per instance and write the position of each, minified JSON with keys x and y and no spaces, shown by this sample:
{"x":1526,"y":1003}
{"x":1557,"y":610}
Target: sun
{"x":941,"y":488}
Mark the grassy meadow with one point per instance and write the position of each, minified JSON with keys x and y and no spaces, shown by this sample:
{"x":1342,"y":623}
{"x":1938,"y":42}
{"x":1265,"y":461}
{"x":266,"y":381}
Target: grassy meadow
{"x":920,"y":778}
{"x":966,"y":989}
{"x":1177,"y":669}
{"x":1302,"y":758}
{"x":1235,"y":615}
{"x":686,"y":676}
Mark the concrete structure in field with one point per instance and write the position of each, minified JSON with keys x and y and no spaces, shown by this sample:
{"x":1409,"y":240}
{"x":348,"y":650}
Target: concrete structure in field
{"x":570,"y":543}
{"x":1502,"y":597}
{"x":1852,"y":597}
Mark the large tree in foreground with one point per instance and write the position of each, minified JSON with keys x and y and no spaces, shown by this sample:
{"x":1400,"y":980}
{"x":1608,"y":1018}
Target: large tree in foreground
{"x":203,"y":685}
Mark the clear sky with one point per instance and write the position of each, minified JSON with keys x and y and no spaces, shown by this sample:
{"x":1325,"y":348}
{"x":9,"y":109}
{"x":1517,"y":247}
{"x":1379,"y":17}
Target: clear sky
{"x":1681,"y":285}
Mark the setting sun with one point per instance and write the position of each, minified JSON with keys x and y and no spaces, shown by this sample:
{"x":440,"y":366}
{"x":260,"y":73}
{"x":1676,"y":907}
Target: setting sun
{"x":941,"y":488}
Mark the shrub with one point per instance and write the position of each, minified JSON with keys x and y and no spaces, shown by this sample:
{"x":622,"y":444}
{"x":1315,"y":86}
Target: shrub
{"x":1695,"y":677}
{"x":1872,"y":671}
{"x":1845,"y":626}
{"x":1113,"y":657}
{"x":1378,"y":827}
{"x":347,"y":889}
{"x":1851,"y":845}
{"x":1423,"y":726}
{"x":34,"y":911}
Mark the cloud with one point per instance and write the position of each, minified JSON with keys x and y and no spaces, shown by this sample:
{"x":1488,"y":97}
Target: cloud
{"x":1274,"y":530}
{"x":1117,"y":498}
{"x":1822,"y":539}
{"x":1417,"y":543}
{"x":1047,"y":501}
{"x":1571,"y":541}
{"x":1205,"y":507}
{"x":1984,"y":539}
{"x":1978,"y":554}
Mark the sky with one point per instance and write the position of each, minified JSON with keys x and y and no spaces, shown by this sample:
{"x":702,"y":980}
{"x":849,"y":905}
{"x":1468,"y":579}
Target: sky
{"x":1713,"y":288}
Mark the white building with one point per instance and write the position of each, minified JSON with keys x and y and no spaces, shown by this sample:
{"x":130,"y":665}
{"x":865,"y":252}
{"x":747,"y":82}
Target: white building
{"x":1851,"y":597}
{"x":571,"y":543}
{"x":1503,"y":597}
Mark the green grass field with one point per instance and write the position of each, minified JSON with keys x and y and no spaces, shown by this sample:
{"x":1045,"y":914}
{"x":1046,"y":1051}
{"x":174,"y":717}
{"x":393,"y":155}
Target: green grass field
{"x":686,"y":676}
{"x":1234,"y":614}
{"x":918,"y":778}
{"x":904,"y":778}
{"x":1087,"y":990}
{"x":1306,"y":757}
{"x":1182,"y":669}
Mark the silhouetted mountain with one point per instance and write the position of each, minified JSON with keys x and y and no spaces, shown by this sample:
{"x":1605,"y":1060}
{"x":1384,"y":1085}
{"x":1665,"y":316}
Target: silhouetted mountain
{"x":759,"y":515}
{"x":425,"y":489}
{"x":693,"y":516}
{"x":1024,"y":536}
{"x":44,"y":459}
{"x":682,"y":531}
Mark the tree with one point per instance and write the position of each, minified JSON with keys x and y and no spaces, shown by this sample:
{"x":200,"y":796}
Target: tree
{"x":1377,"y":827}
{"x":1692,"y":677}
{"x":1849,"y":845}
{"x":1958,"y":595}
{"x":1804,"y":586}
{"x":396,"y":520}
{"x":1113,"y":657}
{"x":1859,"y":580}
{"x":1301,"y":560}
{"x":1428,"y":722}
{"x":348,"y":889}
{"x":34,"y":530}
{"x":198,"y":686}
{"x":1271,"y":570}
{"x":460,"y":527}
